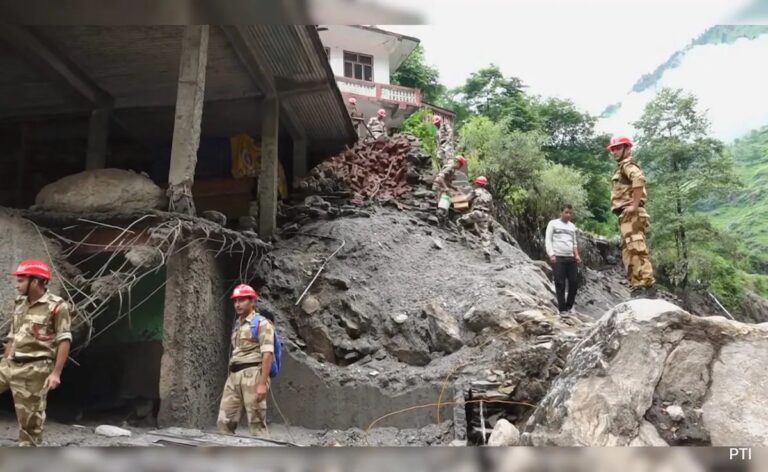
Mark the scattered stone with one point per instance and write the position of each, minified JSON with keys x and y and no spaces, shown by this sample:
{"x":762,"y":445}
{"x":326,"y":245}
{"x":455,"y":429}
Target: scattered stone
{"x":338,"y":282}
{"x":458,"y":443}
{"x":675,"y":413}
{"x":112,"y":431}
{"x":373,"y":373}
{"x":443,"y":329}
{"x":504,"y":434}
{"x":400,"y":318}
{"x":437,"y":243}
{"x":310,"y":304}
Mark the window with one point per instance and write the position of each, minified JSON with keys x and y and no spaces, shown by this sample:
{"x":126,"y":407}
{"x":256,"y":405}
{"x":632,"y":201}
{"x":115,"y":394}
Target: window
{"x":358,"y":66}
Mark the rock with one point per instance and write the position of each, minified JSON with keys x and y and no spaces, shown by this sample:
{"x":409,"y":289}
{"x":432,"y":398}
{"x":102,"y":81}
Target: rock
{"x":408,"y":348}
{"x":754,"y":308}
{"x":675,"y":413}
{"x":112,"y":431}
{"x":458,"y":443}
{"x":400,"y":318}
{"x":644,"y":354}
{"x":144,"y":256}
{"x":101,"y":190}
{"x":310,"y":305}
{"x":437,"y":243}
{"x":504,"y":434}
{"x":338,"y":282}
{"x":443,"y":329}
{"x":215,"y":216}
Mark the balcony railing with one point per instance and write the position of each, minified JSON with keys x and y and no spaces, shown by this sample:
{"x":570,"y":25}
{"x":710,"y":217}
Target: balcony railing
{"x":392,"y":93}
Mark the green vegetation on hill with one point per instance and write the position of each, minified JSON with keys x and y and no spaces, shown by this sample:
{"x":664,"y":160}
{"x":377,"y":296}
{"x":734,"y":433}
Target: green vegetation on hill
{"x":744,"y":213}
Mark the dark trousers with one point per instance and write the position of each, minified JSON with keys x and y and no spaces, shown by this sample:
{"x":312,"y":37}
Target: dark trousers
{"x":566,"y":271}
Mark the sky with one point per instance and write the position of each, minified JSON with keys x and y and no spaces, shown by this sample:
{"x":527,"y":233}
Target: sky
{"x":591,"y":51}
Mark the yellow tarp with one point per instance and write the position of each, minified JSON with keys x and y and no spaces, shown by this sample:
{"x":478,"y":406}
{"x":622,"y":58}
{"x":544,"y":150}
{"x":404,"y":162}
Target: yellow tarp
{"x":246,"y":161}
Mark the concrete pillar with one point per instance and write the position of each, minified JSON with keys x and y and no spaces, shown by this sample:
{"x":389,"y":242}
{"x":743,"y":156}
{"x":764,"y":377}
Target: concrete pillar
{"x":189,"y":114}
{"x":268,"y":176}
{"x":299,"y":159}
{"x":193,"y":366}
{"x":98,"y":137}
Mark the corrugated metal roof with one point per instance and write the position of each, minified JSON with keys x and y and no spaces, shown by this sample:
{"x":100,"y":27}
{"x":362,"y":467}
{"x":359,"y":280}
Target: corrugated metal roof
{"x":295,"y":52}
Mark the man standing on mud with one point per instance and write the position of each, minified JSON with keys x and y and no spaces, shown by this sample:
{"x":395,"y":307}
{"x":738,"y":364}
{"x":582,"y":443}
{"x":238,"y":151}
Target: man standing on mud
{"x":36,"y":348}
{"x":248,"y":380}
{"x":563,"y":252}
{"x":628,"y":199}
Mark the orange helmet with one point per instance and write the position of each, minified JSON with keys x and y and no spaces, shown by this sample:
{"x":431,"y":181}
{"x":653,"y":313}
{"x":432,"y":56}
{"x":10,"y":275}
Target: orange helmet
{"x":482,"y":181}
{"x":244,"y":291}
{"x":382,"y":112}
{"x":461,"y":160}
{"x":436,"y":119}
{"x":619,"y":141}
{"x":33,"y":268}
{"x":352,"y":100}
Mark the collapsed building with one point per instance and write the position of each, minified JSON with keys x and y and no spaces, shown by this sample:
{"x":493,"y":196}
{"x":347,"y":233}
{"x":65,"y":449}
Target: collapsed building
{"x":115,"y":140}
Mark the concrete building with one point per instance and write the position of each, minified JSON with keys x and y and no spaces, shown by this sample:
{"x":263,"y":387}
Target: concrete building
{"x":363,"y":58}
{"x":164,"y":101}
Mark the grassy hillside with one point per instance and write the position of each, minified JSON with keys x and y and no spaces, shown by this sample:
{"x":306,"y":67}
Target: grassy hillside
{"x":745,"y":214}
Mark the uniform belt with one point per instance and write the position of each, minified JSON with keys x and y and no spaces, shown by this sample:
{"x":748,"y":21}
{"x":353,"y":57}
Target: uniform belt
{"x":27,"y":360}
{"x":238,"y":367}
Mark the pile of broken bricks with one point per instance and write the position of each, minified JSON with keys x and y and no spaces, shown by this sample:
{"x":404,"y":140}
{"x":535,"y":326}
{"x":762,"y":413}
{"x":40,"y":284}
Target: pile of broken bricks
{"x":372,"y":170}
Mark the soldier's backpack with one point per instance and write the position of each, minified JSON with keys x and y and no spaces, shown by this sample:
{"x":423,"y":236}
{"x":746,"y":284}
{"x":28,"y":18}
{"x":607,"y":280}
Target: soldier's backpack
{"x":278,"y":354}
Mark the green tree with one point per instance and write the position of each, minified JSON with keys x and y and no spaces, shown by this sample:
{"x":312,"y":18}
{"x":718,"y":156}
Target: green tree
{"x":414,"y":72}
{"x":487,"y":92}
{"x":573,"y":141}
{"x":685,"y":167}
{"x":420,"y":125}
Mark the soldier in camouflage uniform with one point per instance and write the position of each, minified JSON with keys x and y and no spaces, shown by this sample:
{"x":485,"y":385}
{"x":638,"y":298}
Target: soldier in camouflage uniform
{"x":36,"y":348}
{"x":376,"y":124}
{"x":358,"y":120}
{"x":445,"y":147}
{"x":628,"y":199}
{"x":479,"y":216}
{"x":248,"y":380}
{"x":443,"y":184}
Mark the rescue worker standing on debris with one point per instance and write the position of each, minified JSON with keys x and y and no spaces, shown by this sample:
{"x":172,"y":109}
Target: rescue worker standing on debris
{"x":248,"y":380}
{"x":479,"y":215}
{"x":443,"y":185}
{"x":36,"y":348}
{"x":358,"y":120}
{"x":444,"y":140}
{"x":628,"y":200}
{"x":376,"y":124}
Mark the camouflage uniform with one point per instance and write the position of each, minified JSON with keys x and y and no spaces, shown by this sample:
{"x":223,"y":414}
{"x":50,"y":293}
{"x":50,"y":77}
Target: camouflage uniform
{"x":445,"y":143}
{"x":376,"y":126}
{"x":634,"y":249}
{"x":357,"y":121}
{"x":442,"y":185}
{"x":244,"y":374}
{"x":480,"y":217}
{"x":33,"y":340}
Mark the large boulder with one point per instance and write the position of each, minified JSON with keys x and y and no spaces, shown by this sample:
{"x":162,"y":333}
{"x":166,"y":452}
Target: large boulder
{"x":651,"y":374}
{"x":101,"y":190}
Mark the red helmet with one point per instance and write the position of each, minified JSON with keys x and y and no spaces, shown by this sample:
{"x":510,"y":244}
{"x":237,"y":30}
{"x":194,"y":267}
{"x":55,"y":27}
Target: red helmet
{"x":244,"y":291}
{"x":436,"y":119}
{"x":382,"y":112}
{"x":352,"y":100}
{"x":620,"y":140}
{"x":461,"y":160}
{"x":33,"y":268}
{"x":482,"y":181}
